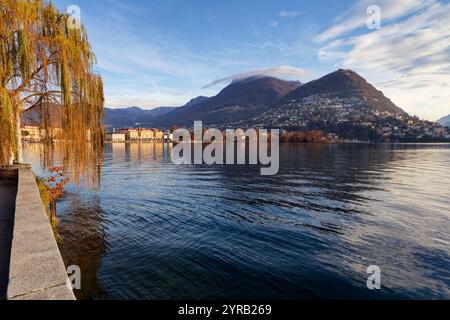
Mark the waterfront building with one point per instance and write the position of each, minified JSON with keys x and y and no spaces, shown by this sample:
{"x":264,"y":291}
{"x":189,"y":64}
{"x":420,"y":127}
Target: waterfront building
{"x":131,"y":134}
{"x":168,"y":136}
{"x":32,"y":133}
{"x":142,"y":134}
{"x":146,"y":134}
{"x":159,"y":135}
{"x":116,"y":137}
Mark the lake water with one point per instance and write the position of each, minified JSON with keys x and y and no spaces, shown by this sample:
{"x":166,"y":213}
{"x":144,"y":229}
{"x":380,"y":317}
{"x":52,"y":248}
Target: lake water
{"x":160,"y":231}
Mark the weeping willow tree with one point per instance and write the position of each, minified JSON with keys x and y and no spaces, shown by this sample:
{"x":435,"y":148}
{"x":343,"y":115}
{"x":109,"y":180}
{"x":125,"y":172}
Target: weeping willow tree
{"x":48,"y":64}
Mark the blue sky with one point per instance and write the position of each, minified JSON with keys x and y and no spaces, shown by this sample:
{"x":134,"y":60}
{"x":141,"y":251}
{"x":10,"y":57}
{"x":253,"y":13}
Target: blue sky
{"x":163,"y":53}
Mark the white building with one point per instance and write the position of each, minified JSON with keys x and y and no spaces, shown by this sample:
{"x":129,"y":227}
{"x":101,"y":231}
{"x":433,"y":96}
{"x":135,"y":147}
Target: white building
{"x":168,"y":136}
{"x":116,"y":137}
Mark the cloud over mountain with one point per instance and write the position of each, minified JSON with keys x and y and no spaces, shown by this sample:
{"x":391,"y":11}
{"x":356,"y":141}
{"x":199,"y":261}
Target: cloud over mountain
{"x":279,"y":72}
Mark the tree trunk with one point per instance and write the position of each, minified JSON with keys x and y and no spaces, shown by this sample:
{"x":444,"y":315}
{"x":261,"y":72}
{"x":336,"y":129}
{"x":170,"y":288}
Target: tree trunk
{"x":11,"y":158}
{"x":19,"y":148}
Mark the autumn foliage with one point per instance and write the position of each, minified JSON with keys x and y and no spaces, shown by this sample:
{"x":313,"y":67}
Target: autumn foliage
{"x":55,"y":184}
{"x":312,"y":136}
{"x":46,"y":62}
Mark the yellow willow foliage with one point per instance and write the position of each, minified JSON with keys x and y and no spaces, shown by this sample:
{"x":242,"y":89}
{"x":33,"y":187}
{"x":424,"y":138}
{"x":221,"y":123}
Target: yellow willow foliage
{"x":44,"y":62}
{"x":7,"y":127}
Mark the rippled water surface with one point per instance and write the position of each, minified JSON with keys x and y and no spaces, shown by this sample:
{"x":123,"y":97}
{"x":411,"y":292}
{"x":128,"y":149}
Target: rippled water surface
{"x":160,"y":231}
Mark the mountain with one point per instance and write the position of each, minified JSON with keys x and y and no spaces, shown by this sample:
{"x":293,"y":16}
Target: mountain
{"x":240,"y":100}
{"x":344,"y":84}
{"x":253,"y":100}
{"x":444,"y":121}
{"x":342,"y":103}
{"x":195,"y":101}
{"x":129,"y":117}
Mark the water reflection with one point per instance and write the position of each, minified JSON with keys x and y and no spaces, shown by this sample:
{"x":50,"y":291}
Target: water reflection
{"x":83,"y":240}
{"x":160,"y":231}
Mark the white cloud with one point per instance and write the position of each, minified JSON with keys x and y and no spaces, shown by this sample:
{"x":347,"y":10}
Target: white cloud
{"x":289,"y":14}
{"x":356,"y":17}
{"x":281,"y":71}
{"x":408,"y":59}
{"x":284,"y":14}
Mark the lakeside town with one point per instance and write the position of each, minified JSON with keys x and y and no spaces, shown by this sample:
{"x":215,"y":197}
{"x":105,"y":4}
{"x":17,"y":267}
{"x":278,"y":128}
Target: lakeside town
{"x":37,"y":134}
{"x":344,"y":125}
{"x":346,"y":118}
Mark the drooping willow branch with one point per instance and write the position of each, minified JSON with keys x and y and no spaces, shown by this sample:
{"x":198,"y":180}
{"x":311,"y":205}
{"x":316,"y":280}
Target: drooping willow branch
{"x":47,"y":65}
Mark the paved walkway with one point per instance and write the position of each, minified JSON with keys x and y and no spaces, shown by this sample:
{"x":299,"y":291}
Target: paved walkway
{"x":8,"y":191}
{"x":36,"y":269}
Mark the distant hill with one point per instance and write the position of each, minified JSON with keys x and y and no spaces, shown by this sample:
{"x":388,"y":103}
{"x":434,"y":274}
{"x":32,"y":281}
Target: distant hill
{"x":129,"y":117}
{"x":240,"y":100}
{"x":195,"y":101}
{"x":444,"y":121}
{"x":344,"y":84}
{"x":113,"y":118}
